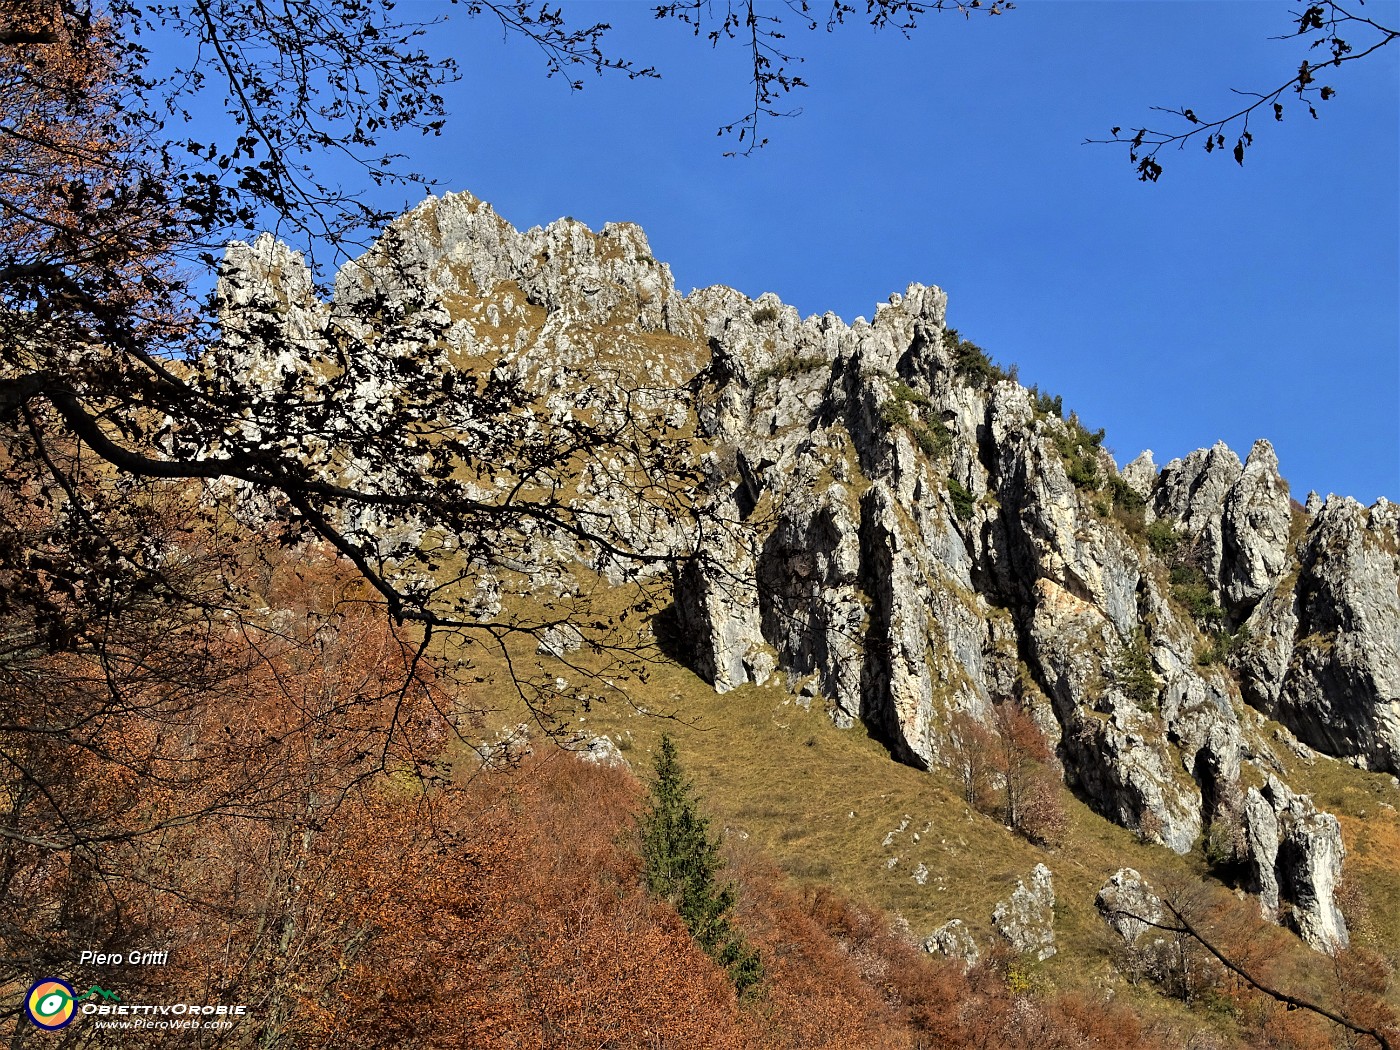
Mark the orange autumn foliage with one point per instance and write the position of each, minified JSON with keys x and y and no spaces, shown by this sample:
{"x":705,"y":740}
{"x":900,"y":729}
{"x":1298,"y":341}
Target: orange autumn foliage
{"x":510,"y":916}
{"x":83,"y":214}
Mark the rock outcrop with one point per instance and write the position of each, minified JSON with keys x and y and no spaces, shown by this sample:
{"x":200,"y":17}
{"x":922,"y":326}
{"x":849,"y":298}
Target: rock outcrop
{"x":954,"y":940}
{"x":887,"y":518}
{"x":1295,"y":859}
{"x":1324,"y":651}
{"x":1128,"y":904}
{"x":601,"y":751}
{"x":1027,"y":918}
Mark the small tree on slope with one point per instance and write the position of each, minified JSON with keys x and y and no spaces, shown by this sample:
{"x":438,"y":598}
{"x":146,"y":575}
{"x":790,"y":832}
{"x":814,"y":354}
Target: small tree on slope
{"x":683,"y":865}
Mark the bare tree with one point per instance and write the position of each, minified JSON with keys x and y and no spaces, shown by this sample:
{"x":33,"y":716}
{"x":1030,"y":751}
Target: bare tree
{"x":974,"y":758}
{"x":1030,"y":786}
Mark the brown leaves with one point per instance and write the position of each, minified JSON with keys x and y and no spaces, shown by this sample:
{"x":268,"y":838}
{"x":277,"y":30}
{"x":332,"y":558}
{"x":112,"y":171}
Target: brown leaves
{"x":75,"y":206}
{"x":518,"y":921}
{"x":1008,"y":768}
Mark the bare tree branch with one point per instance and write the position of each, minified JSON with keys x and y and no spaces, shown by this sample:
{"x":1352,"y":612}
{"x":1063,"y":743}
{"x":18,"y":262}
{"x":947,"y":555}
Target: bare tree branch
{"x":1182,"y":925}
{"x":1327,"y":18}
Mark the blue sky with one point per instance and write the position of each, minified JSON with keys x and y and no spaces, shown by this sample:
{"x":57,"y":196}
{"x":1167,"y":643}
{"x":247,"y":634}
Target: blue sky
{"x":1221,"y":303}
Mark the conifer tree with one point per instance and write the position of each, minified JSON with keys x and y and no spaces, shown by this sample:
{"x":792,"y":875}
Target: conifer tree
{"x":683,"y":867}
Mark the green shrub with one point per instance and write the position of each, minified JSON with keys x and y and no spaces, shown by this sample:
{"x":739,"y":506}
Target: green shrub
{"x":788,"y":366}
{"x":896,"y":414}
{"x":765,"y":314}
{"x":1079,"y":448}
{"x":1196,"y":599}
{"x":935,"y":439}
{"x":1083,"y":472}
{"x":905,"y":393}
{"x":1223,"y":645}
{"x":1131,"y":671}
{"x":1189,"y":586}
{"x":1162,"y":538}
{"x":970,"y":361}
{"x":963,"y":500}
{"x":1129,"y":508}
{"x":1224,"y":845}
{"x":1125,"y":497}
{"x":1045,"y":405}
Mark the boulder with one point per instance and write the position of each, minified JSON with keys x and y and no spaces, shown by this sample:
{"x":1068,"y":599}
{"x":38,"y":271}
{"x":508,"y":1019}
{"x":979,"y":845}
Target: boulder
{"x":1027,"y":918}
{"x":1127,"y":903}
{"x":954,"y":940}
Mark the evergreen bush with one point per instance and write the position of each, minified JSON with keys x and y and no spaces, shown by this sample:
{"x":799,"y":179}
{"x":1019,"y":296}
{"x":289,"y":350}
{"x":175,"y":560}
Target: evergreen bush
{"x":683,"y":866}
{"x":1162,"y":538}
{"x":963,"y":500}
{"x":905,"y":410}
{"x":972,"y":362}
{"x":1131,"y":670}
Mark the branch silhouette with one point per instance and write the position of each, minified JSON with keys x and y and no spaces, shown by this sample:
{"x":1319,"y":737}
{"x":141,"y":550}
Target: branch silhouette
{"x":1183,"y":925}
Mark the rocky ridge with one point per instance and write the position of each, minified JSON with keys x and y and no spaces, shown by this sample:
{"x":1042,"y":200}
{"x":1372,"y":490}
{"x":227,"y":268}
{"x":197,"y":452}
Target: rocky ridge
{"x":891,"y":524}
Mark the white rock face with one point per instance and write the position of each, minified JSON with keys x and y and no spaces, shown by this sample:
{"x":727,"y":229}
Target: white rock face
{"x":1295,"y":854}
{"x":1322,"y":617}
{"x":721,"y":619}
{"x":1254,"y":525}
{"x":1191,"y":491}
{"x":1325,"y":651}
{"x":457,"y":243}
{"x":1127,"y":903}
{"x":1141,"y":473}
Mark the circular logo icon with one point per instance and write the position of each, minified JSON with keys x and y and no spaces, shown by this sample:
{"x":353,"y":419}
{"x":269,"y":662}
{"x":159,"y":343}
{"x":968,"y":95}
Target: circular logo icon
{"x":49,"y":1003}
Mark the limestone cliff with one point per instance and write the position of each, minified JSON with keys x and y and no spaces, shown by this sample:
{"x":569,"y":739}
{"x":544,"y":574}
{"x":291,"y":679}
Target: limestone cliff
{"x":891,"y":523}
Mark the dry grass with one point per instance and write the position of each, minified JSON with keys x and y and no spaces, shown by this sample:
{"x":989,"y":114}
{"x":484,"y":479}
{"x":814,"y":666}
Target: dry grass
{"x":821,"y":802}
